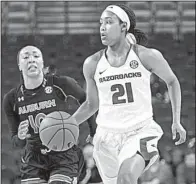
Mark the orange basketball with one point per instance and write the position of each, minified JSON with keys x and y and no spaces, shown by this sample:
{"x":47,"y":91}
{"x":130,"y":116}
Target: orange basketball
{"x":59,"y":131}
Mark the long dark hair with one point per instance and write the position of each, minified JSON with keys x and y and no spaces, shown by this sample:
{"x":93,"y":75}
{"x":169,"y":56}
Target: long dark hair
{"x":140,"y":36}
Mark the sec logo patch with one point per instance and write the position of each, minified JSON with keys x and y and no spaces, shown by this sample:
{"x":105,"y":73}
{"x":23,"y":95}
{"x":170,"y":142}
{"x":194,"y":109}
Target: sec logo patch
{"x":48,"y":89}
{"x":134,"y":64}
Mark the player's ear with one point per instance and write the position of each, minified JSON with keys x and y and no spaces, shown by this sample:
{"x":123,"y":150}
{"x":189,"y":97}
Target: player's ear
{"x":19,"y":66}
{"x":18,"y":61}
{"x":124,"y":26}
{"x":42,"y":66}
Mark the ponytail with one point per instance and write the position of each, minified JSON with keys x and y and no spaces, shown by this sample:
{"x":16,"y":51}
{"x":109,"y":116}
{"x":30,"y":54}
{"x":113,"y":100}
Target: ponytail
{"x":50,"y":70}
{"x":140,"y":36}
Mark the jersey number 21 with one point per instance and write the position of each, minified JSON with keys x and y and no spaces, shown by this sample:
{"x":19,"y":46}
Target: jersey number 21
{"x":120,"y":92}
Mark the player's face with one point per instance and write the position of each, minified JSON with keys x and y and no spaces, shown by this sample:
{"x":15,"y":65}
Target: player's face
{"x":110,"y":28}
{"x":30,"y":61}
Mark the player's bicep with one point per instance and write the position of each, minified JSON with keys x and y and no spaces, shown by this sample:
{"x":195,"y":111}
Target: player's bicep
{"x":76,"y":90}
{"x":91,"y":88}
{"x":6,"y":105}
{"x":70,"y":87}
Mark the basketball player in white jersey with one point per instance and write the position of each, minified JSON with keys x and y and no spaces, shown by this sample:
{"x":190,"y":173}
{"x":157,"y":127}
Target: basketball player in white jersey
{"x":118,"y":86}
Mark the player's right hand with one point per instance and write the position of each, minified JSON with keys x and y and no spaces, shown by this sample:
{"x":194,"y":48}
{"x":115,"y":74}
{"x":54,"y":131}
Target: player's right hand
{"x":23,"y":130}
{"x":178,"y":128}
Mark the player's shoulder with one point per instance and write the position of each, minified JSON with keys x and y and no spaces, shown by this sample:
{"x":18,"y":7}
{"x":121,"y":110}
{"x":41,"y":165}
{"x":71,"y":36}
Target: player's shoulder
{"x":144,"y":52}
{"x":91,"y":62}
{"x":11,"y":92}
{"x":10,"y":95}
{"x":150,"y":57}
{"x":63,"y":79}
{"x":94,"y":59}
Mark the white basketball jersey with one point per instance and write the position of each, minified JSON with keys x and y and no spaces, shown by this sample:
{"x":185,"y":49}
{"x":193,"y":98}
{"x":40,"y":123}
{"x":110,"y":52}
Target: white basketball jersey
{"x":124,"y":93}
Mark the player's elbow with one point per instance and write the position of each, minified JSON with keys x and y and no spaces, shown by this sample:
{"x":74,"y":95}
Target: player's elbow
{"x":92,"y":105}
{"x":172,"y":80}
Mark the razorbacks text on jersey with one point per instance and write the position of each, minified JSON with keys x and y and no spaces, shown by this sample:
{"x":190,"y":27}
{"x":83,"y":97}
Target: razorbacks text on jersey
{"x":124,"y":93}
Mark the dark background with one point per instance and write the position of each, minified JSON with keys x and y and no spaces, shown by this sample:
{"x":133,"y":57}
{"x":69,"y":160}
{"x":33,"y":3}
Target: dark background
{"x":79,"y":38}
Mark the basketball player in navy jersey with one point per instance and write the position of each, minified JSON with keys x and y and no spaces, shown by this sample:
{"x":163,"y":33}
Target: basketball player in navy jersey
{"x":26,"y":106}
{"x":118,"y":86}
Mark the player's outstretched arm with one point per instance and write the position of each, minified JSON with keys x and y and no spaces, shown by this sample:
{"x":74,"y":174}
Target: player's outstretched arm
{"x":79,"y":93}
{"x":91,"y":104}
{"x":71,"y":88}
{"x":154,"y":61}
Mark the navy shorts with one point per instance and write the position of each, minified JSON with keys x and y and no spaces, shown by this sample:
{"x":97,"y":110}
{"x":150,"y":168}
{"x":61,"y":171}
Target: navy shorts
{"x":51,"y":166}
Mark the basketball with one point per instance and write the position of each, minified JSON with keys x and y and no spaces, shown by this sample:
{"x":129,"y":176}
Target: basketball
{"x":59,"y":131}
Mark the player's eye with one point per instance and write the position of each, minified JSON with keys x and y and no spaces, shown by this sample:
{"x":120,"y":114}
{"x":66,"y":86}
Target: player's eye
{"x":36,"y":56}
{"x":109,"y":21}
{"x":25,"y":57}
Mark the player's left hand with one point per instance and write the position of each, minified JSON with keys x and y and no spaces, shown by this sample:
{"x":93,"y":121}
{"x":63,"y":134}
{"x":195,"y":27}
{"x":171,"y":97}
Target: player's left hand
{"x":178,"y":128}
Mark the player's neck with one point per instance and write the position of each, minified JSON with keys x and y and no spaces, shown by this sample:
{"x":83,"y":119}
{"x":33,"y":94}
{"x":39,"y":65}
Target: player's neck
{"x":119,"y":49}
{"x":32,"y":83}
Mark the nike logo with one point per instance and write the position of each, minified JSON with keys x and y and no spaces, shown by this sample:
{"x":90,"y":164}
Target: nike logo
{"x":102,"y":71}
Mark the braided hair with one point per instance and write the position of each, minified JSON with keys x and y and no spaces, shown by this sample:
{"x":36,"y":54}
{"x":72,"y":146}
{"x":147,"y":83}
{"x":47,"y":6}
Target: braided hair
{"x":50,"y":70}
{"x":140,"y":36}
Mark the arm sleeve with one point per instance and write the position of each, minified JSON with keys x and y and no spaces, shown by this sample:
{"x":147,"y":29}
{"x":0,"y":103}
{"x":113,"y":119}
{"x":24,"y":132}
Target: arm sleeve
{"x":71,"y":87}
{"x":12,"y":119}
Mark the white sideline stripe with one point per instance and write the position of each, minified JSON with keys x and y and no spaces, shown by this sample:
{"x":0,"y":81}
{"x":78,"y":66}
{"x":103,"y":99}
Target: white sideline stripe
{"x":33,"y":181}
{"x":60,"y":177}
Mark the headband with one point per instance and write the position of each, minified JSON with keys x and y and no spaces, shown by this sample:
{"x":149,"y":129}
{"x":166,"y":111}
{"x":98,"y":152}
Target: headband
{"x":120,"y":13}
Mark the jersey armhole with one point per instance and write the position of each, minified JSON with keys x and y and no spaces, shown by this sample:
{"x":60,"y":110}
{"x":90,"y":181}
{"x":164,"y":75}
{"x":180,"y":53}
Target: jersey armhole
{"x":135,"y":49}
{"x":61,"y":90}
{"x":101,"y":52}
{"x":51,"y":82}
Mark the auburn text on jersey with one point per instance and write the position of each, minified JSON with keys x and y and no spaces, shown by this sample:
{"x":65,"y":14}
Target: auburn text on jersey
{"x":36,"y":106}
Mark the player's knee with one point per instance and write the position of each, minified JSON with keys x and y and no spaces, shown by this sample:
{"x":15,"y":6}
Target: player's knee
{"x":127,"y":173}
{"x":127,"y":169}
{"x":126,"y":178}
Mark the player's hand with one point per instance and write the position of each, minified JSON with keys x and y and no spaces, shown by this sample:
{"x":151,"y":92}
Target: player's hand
{"x":178,"y":128}
{"x":89,"y":139}
{"x":23,"y":130}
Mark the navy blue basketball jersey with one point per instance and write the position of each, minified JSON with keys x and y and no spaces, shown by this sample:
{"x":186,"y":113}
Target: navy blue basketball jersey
{"x":22,"y":104}
{"x":34,"y":106}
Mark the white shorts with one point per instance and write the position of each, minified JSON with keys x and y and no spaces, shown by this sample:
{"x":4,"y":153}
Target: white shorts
{"x":111,"y":148}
